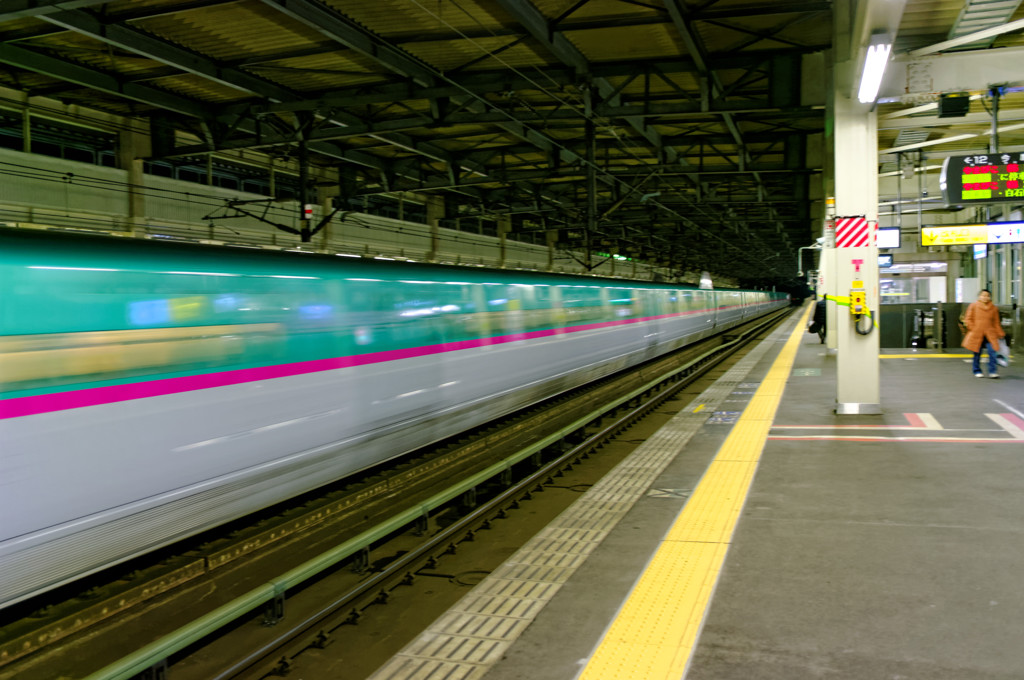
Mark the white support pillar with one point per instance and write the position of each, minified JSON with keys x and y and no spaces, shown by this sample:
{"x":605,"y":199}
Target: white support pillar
{"x":856,"y":191}
{"x":326,"y":194}
{"x":504,"y":227}
{"x":131,"y":149}
{"x":435,"y":213}
{"x":829,"y":285}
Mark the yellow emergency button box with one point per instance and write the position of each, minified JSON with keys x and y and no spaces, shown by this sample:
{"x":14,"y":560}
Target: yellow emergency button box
{"x":858,"y":298}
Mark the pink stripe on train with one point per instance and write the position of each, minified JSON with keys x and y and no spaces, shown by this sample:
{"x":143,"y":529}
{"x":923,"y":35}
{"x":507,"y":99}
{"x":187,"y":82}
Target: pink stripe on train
{"x":95,"y":396}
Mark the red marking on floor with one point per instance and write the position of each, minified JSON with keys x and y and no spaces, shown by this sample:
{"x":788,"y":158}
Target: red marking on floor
{"x":933,"y":440}
{"x":915,"y":420}
{"x":1016,"y":420}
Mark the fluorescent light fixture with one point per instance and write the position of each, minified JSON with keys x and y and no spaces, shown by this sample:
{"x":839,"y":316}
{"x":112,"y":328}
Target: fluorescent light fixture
{"x":874,"y":67}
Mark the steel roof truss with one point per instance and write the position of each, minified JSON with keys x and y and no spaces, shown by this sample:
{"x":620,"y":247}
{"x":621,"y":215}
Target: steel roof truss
{"x":19,"y":9}
{"x":134,"y":40}
{"x":98,"y":80}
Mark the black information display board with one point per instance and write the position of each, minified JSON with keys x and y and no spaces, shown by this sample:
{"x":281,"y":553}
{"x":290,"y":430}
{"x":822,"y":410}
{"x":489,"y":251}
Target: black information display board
{"x":983,"y":178}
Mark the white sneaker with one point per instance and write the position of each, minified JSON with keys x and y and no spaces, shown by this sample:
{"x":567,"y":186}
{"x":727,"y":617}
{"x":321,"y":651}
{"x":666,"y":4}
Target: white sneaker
{"x":993,"y":375}
{"x":979,"y":374}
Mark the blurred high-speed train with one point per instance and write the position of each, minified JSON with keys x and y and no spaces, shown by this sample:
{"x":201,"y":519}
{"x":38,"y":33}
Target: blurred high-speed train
{"x":151,"y":390}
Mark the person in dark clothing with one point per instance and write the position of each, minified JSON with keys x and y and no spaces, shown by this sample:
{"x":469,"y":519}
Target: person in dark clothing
{"x":818,"y":324}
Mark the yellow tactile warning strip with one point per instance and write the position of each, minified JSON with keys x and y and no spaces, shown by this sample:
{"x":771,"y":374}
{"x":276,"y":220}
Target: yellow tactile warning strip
{"x":474,"y":634}
{"x":655,"y":632}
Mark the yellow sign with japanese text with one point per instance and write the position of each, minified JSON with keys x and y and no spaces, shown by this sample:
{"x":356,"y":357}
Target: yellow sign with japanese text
{"x":954,"y":235}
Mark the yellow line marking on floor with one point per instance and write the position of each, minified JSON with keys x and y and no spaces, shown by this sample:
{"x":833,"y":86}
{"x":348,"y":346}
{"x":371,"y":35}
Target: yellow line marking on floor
{"x":655,"y":631}
{"x":699,"y":409}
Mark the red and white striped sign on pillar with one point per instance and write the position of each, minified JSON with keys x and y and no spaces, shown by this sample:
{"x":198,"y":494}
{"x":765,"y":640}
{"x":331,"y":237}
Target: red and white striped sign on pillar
{"x":855,"y":232}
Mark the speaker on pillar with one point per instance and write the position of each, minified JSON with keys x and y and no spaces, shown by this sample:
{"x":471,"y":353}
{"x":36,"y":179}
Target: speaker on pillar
{"x":954,"y":105}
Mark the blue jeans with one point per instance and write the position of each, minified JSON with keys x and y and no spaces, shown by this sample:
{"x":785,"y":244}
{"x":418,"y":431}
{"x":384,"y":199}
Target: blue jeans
{"x":992,"y":366}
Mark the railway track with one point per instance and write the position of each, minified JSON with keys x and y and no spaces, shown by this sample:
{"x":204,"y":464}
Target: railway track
{"x":254,"y":601}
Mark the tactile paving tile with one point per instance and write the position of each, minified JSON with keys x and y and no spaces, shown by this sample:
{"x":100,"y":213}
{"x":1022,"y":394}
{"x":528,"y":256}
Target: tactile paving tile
{"x":572,"y":533}
{"x":475,"y":650}
{"x":427,"y":668}
{"x":533,"y":572}
{"x":712,"y":509}
{"x":544,"y":558}
{"x":516,"y":589}
{"x":494,"y":628}
{"x":654,"y":634}
{"x":762,"y":407}
{"x":462,"y":642}
{"x":501,"y":605}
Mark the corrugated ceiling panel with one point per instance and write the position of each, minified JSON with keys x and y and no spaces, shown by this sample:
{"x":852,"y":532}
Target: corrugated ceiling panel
{"x":399,"y":18}
{"x":318,"y":72}
{"x":19,"y":27}
{"x":27,"y":80}
{"x":233,"y":31}
{"x":82,"y":49}
{"x":772,"y":32}
{"x":197,"y":87}
{"x":926,"y":21}
{"x":449,"y":55}
{"x":102,"y":102}
{"x":688,"y":82}
{"x":121,"y":6}
{"x":595,"y":9}
{"x":615,"y":44}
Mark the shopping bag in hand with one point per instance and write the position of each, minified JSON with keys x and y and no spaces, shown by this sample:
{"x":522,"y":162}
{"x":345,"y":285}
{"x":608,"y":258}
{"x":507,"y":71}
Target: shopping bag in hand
{"x":1003,"y":354}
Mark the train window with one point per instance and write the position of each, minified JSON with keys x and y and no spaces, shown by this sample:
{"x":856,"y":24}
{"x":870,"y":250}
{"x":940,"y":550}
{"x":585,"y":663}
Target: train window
{"x":187,"y":175}
{"x":584,"y":304}
{"x":624,"y":302}
{"x":45,"y":148}
{"x":9,"y":141}
{"x":226,"y":182}
{"x":158,"y":169}
{"x":81,"y":155}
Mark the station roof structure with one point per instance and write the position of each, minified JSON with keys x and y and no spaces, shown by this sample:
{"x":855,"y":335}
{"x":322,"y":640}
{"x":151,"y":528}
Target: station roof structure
{"x":686,"y":132}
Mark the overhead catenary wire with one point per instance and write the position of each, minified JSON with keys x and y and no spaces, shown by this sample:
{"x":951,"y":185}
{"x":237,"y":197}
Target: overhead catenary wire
{"x":555,"y":142}
{"x":567,"y":100}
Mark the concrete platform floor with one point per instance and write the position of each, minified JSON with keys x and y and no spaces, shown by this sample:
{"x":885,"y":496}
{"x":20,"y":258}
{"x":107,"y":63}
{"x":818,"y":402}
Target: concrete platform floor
{"x":870,"y":546}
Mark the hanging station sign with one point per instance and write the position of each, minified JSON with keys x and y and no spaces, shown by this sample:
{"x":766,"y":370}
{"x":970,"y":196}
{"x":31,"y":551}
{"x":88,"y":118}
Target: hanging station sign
{"x":968,"y":234}
{"x":982,"y":178}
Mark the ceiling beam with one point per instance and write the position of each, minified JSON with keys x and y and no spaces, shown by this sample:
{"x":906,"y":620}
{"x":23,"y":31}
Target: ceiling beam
{"x":555,"y":42}
{"x":98,"y":80}
{"x":747,"y":11}
{"x":165,"y":52}
{"x":20,"y":9}
{"x":134,"y":40}
{"x":695,"y":48}
{"x":340,"y":28}
{"x":358,"y":128}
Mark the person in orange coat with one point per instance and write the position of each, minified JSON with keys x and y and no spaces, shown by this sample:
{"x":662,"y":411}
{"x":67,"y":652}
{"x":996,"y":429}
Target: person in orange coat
{"x":983,"y":330}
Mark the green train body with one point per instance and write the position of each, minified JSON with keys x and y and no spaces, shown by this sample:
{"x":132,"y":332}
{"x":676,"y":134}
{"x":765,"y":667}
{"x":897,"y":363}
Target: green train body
{"x":150,"y":391}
